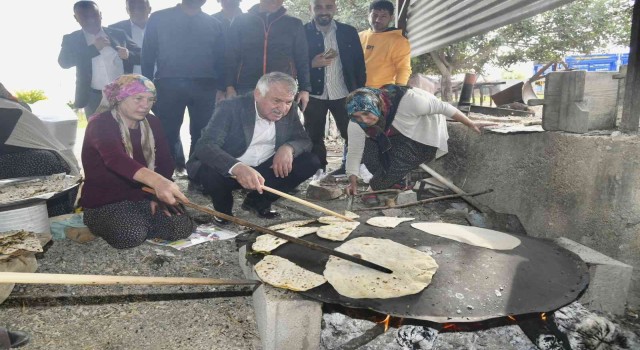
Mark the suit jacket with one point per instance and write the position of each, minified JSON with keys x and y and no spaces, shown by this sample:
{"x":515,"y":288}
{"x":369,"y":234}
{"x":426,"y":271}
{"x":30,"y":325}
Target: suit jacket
{"x":76,"y":53}
{"x":126,"y":27}
{"x":230,"y":131}
{"x":351,"y":56}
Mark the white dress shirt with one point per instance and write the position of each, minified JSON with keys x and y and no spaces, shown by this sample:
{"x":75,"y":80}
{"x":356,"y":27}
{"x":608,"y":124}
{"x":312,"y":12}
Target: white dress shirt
{"x":105,"y":67}
{"x":137,"y":35}
{"x":334,"y":86}
{"x":262,"y":146}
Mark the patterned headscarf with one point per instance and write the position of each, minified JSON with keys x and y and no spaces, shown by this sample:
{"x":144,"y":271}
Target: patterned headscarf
{"x":383,"y":103}
{"x":117,"y":91}
{"x":125,"y":86}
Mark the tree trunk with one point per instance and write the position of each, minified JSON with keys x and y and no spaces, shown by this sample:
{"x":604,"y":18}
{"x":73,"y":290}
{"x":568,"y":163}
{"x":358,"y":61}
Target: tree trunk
{"x":445,"y":73}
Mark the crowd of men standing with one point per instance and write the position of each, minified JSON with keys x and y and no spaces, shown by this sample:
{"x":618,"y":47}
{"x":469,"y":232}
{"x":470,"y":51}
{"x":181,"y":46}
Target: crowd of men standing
{"x":197,"y":60}
{"x":187,"y":53}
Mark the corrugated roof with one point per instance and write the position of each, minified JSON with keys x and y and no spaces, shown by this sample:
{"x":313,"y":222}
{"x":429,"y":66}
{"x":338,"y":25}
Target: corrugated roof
{"x":433,"y":24}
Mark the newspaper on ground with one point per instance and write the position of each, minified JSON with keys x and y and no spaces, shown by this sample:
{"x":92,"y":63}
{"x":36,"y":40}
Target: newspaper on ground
{"x":202,"y":234}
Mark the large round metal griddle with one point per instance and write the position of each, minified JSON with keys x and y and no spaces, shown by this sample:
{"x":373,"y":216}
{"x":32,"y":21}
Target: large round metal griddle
{"x":471,"y":284}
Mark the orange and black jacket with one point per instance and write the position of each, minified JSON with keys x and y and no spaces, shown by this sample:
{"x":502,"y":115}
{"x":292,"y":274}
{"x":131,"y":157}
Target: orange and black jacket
{"x":260,"y":43}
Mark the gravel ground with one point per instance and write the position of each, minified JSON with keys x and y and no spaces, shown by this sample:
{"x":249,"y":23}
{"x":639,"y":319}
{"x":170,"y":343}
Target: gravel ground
{"x":166,"y":317}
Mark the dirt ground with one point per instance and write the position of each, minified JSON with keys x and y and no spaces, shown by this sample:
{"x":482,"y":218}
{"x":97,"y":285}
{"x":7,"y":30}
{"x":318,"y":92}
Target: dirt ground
{"x":168,"y":317}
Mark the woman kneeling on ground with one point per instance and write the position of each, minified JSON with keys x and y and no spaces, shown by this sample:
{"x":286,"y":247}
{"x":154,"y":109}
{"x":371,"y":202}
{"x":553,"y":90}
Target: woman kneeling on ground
{"x":124,"y":149}
{"x":392,"y":131}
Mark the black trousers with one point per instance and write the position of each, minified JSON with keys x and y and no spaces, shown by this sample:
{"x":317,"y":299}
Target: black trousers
{"x":406,"y":155}
{"x":220,"y":187}
{"x":315,"y":117}
{"x":176,"y":94}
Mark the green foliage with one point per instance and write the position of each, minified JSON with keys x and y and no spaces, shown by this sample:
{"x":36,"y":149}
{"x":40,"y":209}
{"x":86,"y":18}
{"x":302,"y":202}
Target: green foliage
{"x":581,"y":27}
{"x":509,"y":75}
{"x":30,"y":96}
{"x":352,"y":12}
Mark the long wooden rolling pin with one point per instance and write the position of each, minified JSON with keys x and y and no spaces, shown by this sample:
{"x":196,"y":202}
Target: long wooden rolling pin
{"x":54,"y":278}
{"x":306,"y":203}
{"x":303,"y":202}
{"x":298,"y":241}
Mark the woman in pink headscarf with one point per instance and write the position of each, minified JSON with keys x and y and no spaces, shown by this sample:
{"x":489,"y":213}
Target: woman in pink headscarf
{"x":124,"y":149}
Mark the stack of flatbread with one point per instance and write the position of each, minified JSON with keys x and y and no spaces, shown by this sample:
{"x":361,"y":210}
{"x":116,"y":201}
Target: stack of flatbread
{"x":18,"y":242}
{"x":45,"y":187}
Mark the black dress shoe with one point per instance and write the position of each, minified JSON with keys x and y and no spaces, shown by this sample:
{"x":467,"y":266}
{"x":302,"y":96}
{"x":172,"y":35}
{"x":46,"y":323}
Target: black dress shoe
{"x":221,"y":221}
{"x":266,"y":213}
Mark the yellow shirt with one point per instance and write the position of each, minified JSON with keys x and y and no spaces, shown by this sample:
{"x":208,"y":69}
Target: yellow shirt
{"x":387,"y":57}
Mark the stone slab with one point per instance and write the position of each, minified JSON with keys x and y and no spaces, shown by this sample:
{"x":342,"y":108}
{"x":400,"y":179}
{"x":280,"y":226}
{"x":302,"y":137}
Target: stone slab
{"x":406,"y":197}
{"x":609,"y":279}
{"x":285,"y":320}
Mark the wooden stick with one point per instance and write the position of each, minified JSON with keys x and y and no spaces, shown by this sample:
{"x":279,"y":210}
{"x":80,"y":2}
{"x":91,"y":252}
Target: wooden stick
{"x":428,"y":200}
{"x":54,"y":278}
{"x":391,"y":190}
{"x":306,"y":203}
{"x":298,"y":241}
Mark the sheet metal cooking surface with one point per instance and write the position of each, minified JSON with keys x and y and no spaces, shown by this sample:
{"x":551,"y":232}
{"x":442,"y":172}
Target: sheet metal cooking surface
{"x":471,"y":284}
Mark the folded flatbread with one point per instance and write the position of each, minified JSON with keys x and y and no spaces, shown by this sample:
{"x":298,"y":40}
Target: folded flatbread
{"x":334,"y":219}
{"x":266,"y":243}
{"x":477,"y":236}
{"x":387,"y":221}
{"x":295,"y":223}
{"x":282,"y":273}
{"x":412,"y":269}
{"x":338,"y":231}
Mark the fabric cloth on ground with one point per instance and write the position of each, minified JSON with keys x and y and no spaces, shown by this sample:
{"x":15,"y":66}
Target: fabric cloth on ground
{"x":21,"y":130}
{"x":128,"y":224}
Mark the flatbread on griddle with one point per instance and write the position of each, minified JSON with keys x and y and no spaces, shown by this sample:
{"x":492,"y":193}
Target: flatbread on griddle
{"x":412,"y":269}
{"x":338,"y":231}
{"x":282,"y":273}
{"x":295,"y":223}
{"x":387,"y":221}
{"x":477,"y":236}
{"x":333,"y":219}
{"x":266,"y":243}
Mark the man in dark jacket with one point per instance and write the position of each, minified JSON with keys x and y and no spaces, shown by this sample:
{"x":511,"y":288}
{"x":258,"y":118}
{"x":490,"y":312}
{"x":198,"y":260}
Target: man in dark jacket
{"x":258,"y":138}
{"x":138,"y":11}
{"x":265,"y":40}
{"x":185,"y":48}
{"x":99,"y":54}
{"x":337,"y":68}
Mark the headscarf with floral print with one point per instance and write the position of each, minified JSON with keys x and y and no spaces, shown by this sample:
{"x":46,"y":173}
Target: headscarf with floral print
{"x":383,"y":103}
{"x":117,"y":91}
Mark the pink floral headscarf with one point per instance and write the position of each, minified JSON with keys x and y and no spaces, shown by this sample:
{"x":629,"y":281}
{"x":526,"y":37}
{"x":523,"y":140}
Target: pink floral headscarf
{"x":125,"y":86}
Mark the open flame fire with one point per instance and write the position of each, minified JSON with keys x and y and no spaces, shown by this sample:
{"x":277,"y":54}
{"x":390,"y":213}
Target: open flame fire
{"x":543,"y":316}
{"x":385,"y":322}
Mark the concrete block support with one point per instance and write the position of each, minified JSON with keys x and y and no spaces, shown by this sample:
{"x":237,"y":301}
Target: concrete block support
{"x":609,"y":279}
{"x":406,"y":197}
{"x":286,"y":320}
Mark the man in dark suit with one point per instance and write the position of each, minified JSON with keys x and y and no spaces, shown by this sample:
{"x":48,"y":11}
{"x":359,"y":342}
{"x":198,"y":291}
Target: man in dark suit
{"x":258,"y":138}
{"x":138,"y":11}
{"x":99,"y":54}
{"x":337,"y":68}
